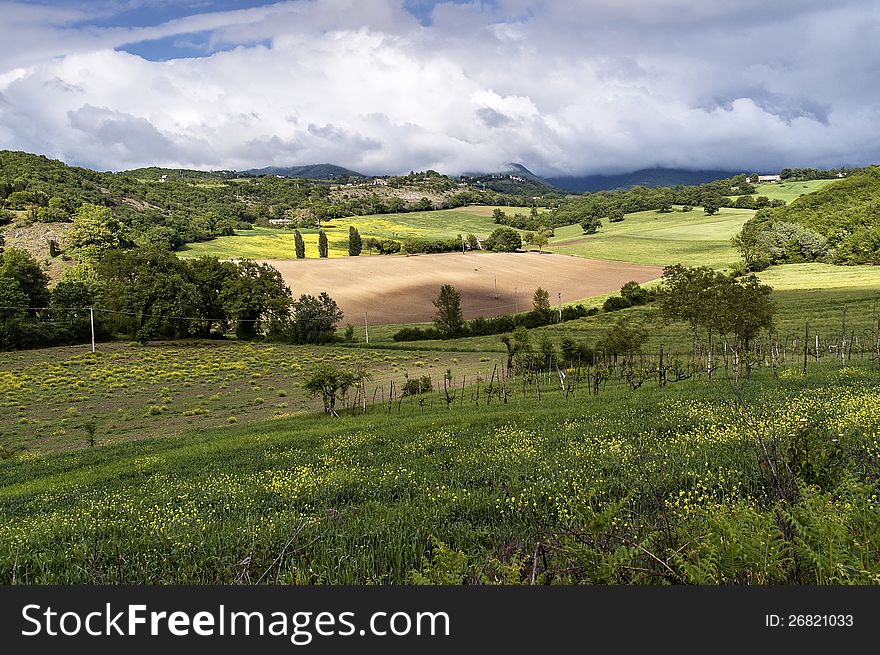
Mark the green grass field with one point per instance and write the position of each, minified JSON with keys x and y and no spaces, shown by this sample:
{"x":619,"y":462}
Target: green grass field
{"x":789,"y":191}
{"x":278,"y":243}
{"x":653,"y":486}
{"x":650,"y":237}
{"x":135,"y":392}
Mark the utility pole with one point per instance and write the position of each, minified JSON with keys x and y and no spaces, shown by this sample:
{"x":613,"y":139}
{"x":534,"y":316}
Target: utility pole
{"x":559,"y":304}
{"x":92,"y":321}
{"x":496,"y":287}
{"x":366,"y":329}
{"x":516,"y":299}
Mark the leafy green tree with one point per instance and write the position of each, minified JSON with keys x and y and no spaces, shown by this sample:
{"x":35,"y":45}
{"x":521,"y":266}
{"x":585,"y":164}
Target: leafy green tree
{"x":355,"y":243}
{"x":95,"y":231}
{"x":635,"y":293}
{"x":13,"y":302}
{"x":255,"y":295}
{"x":211,"y":278}
{"x":323,"y":246}
{"x":472,"y":242}
{"x":315,"y":319}
{"x":591,"y":225}
{"x":625,"y":337}
{"x":19,"y":265}
{"x":299,"y":244}
{"x":504,"y":239}
{"x":711,"y":205}
{"x":541,"y":238}
{"x":151,"y":291}
{"x":743,"y":308}
{"x":330,"y":382}
{"x":449,"y":320}
{"x":69,"y":300}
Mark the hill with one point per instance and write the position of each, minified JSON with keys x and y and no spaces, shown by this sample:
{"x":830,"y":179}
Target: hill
{"x":647,"y":177}
{"x":513,"y":179}
{"x":839,"y":223}
{"x":309,"y":172}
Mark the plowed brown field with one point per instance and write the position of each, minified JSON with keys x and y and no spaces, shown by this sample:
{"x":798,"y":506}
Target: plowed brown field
{"x":400,"y":289}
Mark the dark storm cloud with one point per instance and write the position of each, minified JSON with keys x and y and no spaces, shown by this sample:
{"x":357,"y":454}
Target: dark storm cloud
{"x":396,"y":85}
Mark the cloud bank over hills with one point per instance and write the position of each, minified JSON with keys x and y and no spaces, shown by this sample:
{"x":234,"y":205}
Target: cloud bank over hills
{"x":389,"y":86}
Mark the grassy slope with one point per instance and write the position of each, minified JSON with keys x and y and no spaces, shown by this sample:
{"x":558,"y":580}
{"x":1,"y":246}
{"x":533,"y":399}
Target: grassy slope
{"x":136,"y":392}
{"x":273,"y":243}
{"x":654,"y":238}
{"x":360,"y":499}
{"x":789,"y":191}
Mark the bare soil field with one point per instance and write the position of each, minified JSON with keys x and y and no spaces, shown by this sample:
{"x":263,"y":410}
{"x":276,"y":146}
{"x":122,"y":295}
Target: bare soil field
{"x":401,"y":289}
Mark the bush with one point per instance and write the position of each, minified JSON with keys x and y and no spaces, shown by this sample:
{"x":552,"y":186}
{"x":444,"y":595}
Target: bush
{"x":417,"y":386}
{"x":415,"y":334}
{"x":504,"y":239}
{"x":615,"y":303}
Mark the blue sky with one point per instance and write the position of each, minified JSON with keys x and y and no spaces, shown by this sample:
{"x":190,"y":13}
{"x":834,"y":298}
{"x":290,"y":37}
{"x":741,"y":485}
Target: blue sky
{"x":389,"y":86}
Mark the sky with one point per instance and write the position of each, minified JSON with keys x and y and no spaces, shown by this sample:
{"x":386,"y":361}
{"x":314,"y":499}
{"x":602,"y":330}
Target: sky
{"x":389,"y":86}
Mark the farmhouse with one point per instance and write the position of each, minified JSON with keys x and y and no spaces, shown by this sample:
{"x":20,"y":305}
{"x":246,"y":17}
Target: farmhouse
{"x":769,"y":178}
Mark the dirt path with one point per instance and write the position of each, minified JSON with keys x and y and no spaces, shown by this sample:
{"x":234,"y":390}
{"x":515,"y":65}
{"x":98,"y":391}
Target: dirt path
{"x":401,"y":289}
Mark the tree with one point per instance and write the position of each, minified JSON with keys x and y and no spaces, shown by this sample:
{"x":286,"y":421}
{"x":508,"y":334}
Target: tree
{"x":315,"y":319}
{"x":472,"y":242}
{"x":711,"y":205}
{"x":69,"y":300}
{"x":355,"y":243}
{"x":743,"y":308}
{"x":625,"y":337}
{"x":151,"y":290}
{"x":516,"y":343}
{"x":329,"y":381}
{"x":591,"y":225}
{"x":498,"y":215}
{"x":541,"y":300}
{"x":504,"y":239}
{"x":212,"y":277}
{"x":30,"y":279}
{"x":299,"y":245}
{"x":95,"y":231}
{"x":257,"y":293}
{"x":449,"y":320}
{"x":323,"y":246}
{"x":13,"y":302}
{"x":634,"y":292}
{"x":541,"y":238}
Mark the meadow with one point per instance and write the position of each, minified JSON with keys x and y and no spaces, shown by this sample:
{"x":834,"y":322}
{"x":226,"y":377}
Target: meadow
{"x":652,"y":237}
{"x":133,"y":391}
{"x":278,"y":243}
{"x":789,"y":191}
{"x":770,"y":482}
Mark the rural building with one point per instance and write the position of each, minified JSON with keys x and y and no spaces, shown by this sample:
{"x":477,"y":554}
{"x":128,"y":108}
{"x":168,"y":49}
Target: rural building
{"x":769,"y":178}
{"x":280,"y":221}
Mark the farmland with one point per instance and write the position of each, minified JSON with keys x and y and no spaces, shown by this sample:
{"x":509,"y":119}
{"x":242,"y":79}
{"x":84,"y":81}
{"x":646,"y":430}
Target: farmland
{"x":277,"y":243}
{"x":401,"y":289}
{"x":652,"y":237}
{"x":789,"y":191}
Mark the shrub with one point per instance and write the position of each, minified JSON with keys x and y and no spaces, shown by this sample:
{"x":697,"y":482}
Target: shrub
{"x":615,"y":303}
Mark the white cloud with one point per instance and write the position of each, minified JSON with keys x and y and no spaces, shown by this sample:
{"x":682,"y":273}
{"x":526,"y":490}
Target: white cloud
{"x":562,"y":87}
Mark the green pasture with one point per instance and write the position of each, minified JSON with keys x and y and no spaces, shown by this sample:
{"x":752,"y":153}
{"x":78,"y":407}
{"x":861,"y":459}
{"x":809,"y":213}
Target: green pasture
{"x":789,"y":191}
{"x":651,"y":237}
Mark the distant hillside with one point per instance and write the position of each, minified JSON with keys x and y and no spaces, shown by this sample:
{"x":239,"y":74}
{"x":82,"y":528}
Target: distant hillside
{"x":513,"y":179}
{"x":839,"y":223}
{"x":647,"y":177}
{"x":310,"y":172}
{"x":157,"y":173}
